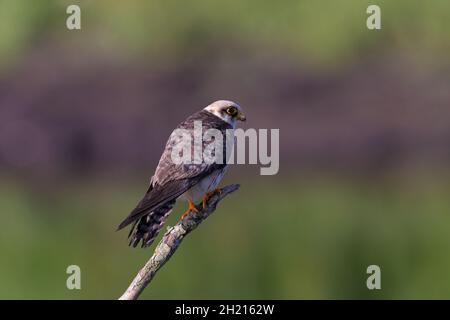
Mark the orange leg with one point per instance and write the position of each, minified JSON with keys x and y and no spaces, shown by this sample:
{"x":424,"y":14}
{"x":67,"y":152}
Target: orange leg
{"x":189,"y":210}
{"x":208,"y":196}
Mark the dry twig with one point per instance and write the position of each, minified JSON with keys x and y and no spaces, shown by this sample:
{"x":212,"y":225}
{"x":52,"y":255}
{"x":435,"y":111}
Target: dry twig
{"x":170,"y":242}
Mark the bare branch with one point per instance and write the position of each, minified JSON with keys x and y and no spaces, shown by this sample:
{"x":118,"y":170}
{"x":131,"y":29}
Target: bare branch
{"x":170,"y":242}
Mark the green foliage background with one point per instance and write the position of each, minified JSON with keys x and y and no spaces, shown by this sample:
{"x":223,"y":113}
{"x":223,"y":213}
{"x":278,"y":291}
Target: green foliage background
{"x":323,"y":32}
{"x":300,"y":235}
{"x":316,"y":246}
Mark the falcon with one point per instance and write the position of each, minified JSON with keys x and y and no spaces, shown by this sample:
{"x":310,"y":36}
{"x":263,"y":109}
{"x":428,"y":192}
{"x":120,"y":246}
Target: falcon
{"x":172,"y":180}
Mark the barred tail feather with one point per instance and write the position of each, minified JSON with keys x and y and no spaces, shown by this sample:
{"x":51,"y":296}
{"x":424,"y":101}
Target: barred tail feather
{"x":147,"y":228}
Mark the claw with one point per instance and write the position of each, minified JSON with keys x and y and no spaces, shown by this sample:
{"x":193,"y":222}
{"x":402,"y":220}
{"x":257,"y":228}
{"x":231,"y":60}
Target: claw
{"x":189,"y":210}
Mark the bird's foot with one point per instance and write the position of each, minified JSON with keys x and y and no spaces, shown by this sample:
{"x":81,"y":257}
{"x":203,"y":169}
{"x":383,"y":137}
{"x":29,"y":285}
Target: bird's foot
{"x":208,"y":196}
{"x":191,"y":208}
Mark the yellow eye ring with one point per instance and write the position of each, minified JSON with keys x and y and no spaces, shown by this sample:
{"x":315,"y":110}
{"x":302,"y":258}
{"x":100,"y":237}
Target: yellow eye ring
{"x":232,"y":111}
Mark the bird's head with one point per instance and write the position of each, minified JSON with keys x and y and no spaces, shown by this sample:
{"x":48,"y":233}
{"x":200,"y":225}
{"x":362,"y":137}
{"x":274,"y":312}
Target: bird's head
{"x":228,"y":111}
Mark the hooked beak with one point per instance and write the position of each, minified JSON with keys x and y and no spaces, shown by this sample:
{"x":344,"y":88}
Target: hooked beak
{"x":241,"y":116}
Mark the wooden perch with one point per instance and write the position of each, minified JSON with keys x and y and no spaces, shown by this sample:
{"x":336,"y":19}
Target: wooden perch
{"x":170,"y":242}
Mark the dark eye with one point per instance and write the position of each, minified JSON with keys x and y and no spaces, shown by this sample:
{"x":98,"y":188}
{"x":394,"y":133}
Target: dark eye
{"x":232,"y":111}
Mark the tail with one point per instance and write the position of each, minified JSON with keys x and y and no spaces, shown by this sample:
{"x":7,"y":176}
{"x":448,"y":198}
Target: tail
{"x":147,"y":228}
{"x":152,"y":211}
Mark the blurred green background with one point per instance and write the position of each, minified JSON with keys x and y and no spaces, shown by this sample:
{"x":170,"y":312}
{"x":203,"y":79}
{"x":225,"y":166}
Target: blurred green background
{"x":364,"y":123}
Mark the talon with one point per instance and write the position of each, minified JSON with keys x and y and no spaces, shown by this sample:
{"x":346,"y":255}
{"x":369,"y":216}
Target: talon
{"x":208,"y":196}
{"x":191,"y":208}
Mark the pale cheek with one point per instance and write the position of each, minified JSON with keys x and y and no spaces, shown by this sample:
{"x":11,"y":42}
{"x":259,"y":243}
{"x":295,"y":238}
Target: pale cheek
{"x":231,"y":120}
{"x":225,"y":117}
{"x":221,"y":115}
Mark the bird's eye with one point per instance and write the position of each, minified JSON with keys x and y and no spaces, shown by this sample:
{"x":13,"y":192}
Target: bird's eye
{"x":232,"y":111}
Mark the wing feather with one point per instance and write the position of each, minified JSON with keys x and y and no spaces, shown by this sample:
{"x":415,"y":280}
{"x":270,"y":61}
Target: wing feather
{"x":158,"y":196}
{"x":171,"y":180}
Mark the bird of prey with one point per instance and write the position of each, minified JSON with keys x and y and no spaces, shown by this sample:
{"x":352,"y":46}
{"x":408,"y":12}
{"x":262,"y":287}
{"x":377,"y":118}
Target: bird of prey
{"x":173,"y":180}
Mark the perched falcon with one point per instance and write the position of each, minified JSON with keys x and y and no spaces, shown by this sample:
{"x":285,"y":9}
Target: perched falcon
{"x":173,"y":180}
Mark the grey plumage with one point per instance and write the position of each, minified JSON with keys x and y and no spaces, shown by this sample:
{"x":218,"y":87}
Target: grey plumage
{"x":172,"y":180}
{"x":148,"y":226}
